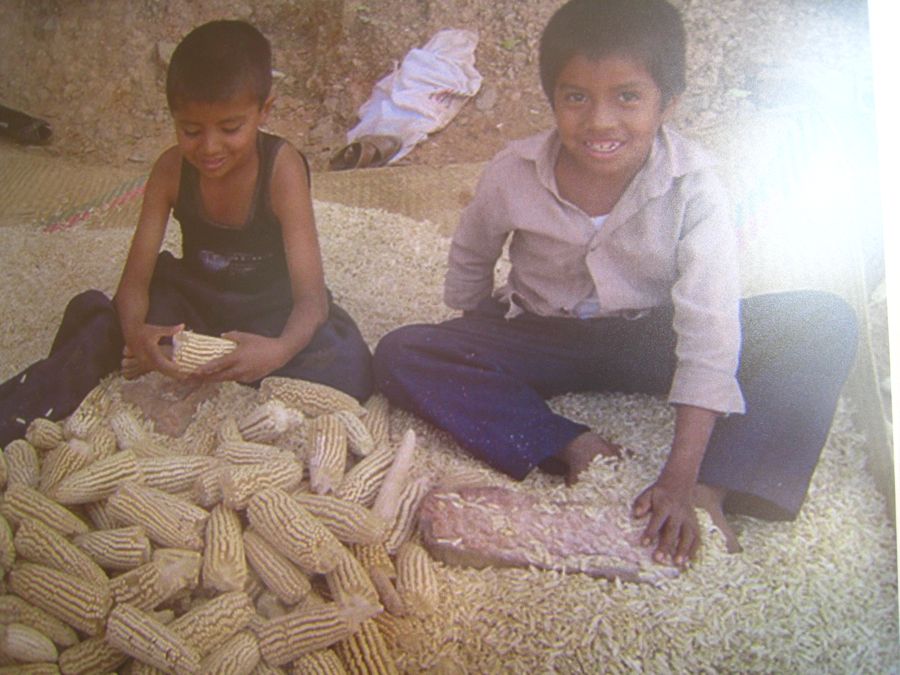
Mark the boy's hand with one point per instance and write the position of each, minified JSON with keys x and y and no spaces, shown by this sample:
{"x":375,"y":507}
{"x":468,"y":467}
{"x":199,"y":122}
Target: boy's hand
{"x":254,"y":358}
{"x":672,"y":525}
{"x":143,"y":352}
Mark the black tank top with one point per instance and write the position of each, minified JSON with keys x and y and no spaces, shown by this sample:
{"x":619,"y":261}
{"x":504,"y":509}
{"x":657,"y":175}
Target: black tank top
{"x":246,"y":259}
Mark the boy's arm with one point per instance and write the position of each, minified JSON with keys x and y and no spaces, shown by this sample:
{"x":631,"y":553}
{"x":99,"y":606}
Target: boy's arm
{"x":132,"y":297}
{"x":476,"y":246}
{"x":670,"y":500}
{"x":706,"y":298}
{"x":256,"y":355}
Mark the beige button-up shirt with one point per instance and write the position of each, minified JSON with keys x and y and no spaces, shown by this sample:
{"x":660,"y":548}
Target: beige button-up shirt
{"x":669,"y":240}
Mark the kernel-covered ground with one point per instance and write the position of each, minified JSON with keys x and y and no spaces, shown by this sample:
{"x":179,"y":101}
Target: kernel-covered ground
{"x":817,"y":595}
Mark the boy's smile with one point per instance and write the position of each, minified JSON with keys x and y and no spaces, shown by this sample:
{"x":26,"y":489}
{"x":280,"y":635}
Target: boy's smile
{"x":607,"y":112}
{"x":218,"y":137}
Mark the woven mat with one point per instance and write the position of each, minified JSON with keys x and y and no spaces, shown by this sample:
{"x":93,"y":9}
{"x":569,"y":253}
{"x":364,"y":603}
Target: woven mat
{"x":55,"y":193}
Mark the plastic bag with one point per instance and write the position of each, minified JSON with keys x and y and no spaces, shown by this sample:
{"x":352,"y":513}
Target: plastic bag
{"x":424,"y":92}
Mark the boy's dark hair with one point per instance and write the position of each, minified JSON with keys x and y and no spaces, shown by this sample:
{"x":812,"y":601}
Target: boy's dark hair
{"x":648,"y":30}
{"x":217,"y":61}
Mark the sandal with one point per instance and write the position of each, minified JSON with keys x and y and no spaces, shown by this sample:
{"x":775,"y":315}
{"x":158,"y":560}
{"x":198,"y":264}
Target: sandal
{"x":365,"y":151}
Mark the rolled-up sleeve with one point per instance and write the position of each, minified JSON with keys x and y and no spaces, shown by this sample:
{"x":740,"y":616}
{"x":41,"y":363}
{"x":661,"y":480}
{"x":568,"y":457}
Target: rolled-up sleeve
{"x":706,"y":299}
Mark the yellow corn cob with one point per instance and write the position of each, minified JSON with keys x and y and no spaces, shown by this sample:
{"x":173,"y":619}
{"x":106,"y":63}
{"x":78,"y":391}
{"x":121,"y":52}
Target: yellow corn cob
{"x":44,"y":434}
{"x":175,"y":473}
{"x":374,"y":556}
{"x":7,"y":546}
{"x":416,"y":580}
{"x":387,"y":592}
{"x":4,"y":471}
{"x":80,"y":604}
{"x":224,"y":564}
{"x":263,"y":668}
{"x":238,"y":656}
{"x":99,"y":516}
{"x":103,"y":441}
{"x":278,"y":573}
{"x":38,"y":543}
{"x":141,"y":587}
{"x":167,"y":520}
{"x":22,"y":502}
{"x":254,"y":587}
{"x":192,"y":350}
{"x":97,"y":480}
{"x":349,"y":582}
{"x":62,"y":460}
{"x":165,"y":616}
{"x":211,"y":624}
{"x":407,"y":513}
{"x":465,"y":478}
{"x":269,"y":421}
{"x":311,"y":398}
{"x":207,"y":490}
{"x":179,"y":569}
{"x":247,"y":452}
{"x":285,"y":638}
{"x":26,"y":644}
{"x":31,"y":669}
{"x":140,"y":668}
{"x":90,"y":412}
{"x":139,"y":635}
{"x":376,"y":561}
{"x":268,"y":606}
{"x":359,"y":439}
{"x":392,"y":627}
{"x":122,"y":548}
{"x":131,"y":435}
{"x":228,"y":431}
{"x":319,"y":662}
{"x":388,"y":501}
{"x":362,"y":482}
{"x":15,"y":609}
{"x":294,"y":531}
{"x":94,"y":655}
{"x":23,"y":466}
{"x":240,"y":482}
{"x":349,"y":522}
{"x":198,"y":439}
{"x":378,"y":419}
{"x":328,"y":453}
{"x":365,"y":652}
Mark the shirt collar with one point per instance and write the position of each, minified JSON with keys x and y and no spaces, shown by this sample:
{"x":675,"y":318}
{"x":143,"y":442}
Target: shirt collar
{"x":671,"y":156}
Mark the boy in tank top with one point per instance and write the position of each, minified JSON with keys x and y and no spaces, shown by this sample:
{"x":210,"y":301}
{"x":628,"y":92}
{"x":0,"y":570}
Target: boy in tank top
{"x":251,"y":269}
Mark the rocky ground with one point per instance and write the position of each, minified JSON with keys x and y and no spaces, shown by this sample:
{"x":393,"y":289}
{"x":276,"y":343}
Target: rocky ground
{"x":95,"y":69}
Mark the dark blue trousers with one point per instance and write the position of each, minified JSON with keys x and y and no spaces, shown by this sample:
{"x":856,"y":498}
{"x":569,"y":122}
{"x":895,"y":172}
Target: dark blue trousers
{"x":88,"y":345}
{"x":484,"y":379}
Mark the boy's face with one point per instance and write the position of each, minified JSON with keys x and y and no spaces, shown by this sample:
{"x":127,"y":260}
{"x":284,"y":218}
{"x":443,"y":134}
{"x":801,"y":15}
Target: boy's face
{"x":608,"y":111}
{"x":218,"y":137}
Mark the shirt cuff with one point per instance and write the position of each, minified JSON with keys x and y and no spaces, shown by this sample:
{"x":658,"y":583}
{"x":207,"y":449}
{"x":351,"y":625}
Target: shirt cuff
{"x":706,"y":388}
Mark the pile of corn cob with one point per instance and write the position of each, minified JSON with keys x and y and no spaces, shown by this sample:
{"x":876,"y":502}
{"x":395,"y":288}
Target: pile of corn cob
{"x":285,"y":546}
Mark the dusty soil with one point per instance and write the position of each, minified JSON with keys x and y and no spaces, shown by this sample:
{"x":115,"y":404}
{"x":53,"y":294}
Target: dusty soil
{"x":95,"y":69}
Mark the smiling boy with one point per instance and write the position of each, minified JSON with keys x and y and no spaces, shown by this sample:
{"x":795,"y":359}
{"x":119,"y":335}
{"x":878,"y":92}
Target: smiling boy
{"x":623,"y":277}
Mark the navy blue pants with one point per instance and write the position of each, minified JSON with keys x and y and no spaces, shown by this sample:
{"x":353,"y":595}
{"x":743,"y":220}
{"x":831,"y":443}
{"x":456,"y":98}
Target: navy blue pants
{"x":484,"y":379}
{"x":88,"y":345}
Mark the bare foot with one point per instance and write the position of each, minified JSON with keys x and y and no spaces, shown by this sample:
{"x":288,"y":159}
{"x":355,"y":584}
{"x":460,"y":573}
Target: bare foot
{"x":711,"y":499}
{"x":580,"y":452}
